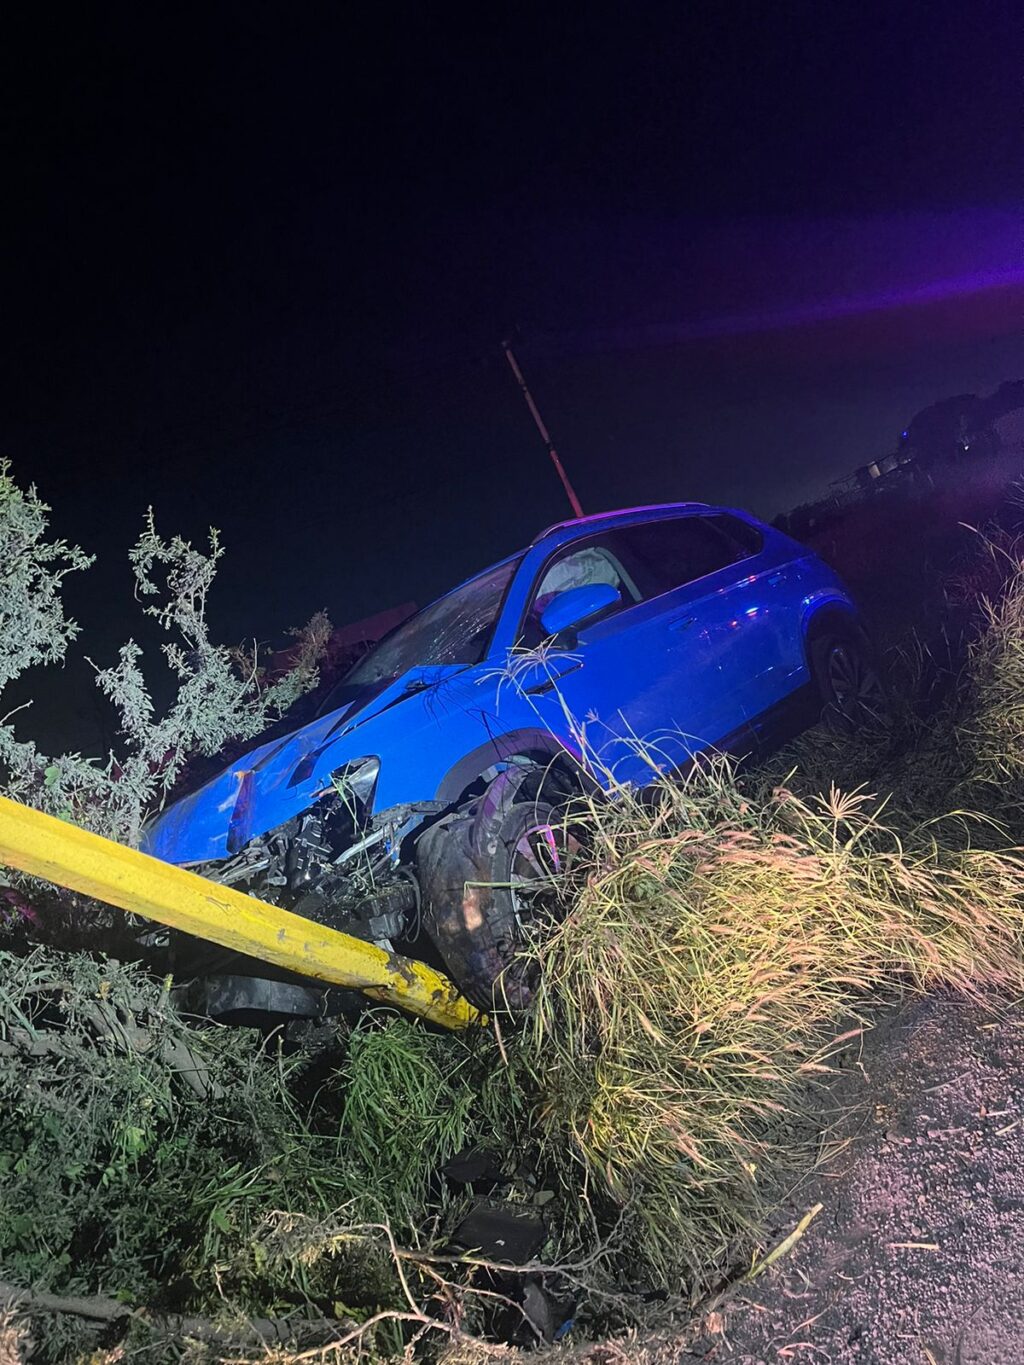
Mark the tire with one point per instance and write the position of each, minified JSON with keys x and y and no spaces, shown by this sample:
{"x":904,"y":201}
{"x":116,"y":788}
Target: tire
{"x":474,"y":867}
{"x":848,"y":680}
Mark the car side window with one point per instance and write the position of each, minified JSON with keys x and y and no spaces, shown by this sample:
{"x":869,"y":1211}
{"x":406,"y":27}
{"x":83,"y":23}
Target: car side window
{"x":748,"y":539}
{"x":677,"y":550}
{"x":582,"y":565}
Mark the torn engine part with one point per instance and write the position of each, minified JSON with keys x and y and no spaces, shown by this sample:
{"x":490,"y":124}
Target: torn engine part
{"x":329,"y":866}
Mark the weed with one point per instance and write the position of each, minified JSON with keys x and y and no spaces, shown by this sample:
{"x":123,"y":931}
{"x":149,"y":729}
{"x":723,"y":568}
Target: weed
{"x":718,"y":934}
{"x":993,"y":729}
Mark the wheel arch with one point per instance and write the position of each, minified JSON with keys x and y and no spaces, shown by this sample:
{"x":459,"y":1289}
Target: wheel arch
{"x":537,"y":748}
{"x":835,"y":613}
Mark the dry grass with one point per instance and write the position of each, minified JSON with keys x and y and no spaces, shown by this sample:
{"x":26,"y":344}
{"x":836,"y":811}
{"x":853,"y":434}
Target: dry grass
{"x":716,"y":940}
{"x":15,"y":1339}
{"x":712,"y":947}
{"x":993,"y":731}
{"x":955,"y":736}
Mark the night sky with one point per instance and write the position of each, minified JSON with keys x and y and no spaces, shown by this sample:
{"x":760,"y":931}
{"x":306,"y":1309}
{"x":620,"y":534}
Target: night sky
{"x":257,"y":261}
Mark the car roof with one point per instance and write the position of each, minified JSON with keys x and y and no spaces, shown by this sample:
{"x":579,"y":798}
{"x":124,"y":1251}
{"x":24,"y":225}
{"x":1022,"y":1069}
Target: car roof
{"x":596,"y":519}
{"x":620,"y":514}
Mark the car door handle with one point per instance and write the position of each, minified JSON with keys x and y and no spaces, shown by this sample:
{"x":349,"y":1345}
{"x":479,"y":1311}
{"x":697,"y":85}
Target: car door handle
{"x":682,"y":622}
{"x":551,"y":681}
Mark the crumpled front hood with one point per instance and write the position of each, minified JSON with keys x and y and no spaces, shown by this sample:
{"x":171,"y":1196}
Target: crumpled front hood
{"x":280,"y":779}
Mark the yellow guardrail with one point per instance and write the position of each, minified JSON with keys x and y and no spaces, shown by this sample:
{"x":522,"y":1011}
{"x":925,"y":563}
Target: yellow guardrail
{"x":62,"y":853}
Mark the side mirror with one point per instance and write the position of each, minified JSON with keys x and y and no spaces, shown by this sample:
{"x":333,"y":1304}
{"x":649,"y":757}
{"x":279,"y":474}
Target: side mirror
{"x":576,"y":606}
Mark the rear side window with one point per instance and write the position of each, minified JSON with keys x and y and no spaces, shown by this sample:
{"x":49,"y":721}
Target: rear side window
{"x":642,"y":561}
{"x":746,"y":537}
{"x":670,"y":553}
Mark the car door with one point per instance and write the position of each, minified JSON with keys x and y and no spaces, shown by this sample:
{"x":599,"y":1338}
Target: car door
{"x":614,"y":678}
{"x":763,"y":658}
{"x":723,"y":585}
{"x":692,"y":574}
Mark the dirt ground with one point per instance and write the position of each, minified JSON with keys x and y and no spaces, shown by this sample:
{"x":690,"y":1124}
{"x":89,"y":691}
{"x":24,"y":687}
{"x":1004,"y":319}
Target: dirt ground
{"x":917,"y":1254}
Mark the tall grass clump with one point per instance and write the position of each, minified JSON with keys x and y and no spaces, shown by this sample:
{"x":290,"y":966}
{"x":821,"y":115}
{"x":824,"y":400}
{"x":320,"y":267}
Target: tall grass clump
{"x":993,"y":729}
{"x":914,"y":754}
{"x":712,"y":948}
{"x":954,"y":733}
{"x":410,"y":1100}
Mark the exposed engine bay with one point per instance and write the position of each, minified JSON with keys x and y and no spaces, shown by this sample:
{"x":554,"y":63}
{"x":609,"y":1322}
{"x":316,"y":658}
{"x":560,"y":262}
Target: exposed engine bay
{"x":329,"y":864}
{"x":333,"y":867}
{"x":394,"y":878}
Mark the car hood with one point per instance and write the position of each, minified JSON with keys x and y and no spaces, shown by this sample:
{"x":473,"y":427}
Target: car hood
{"x":282,"y":778}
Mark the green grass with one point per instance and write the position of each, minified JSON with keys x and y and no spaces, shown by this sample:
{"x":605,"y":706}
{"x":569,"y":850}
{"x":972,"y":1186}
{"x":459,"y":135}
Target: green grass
{"x":410,"y":1100}
{"x":176,"y":1166}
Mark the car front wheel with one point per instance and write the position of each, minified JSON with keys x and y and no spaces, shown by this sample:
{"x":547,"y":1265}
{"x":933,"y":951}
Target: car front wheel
{"x":489,"y":876}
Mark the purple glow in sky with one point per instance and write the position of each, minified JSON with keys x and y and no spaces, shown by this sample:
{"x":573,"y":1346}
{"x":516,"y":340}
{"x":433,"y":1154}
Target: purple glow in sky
{"x":707,"y":282}
{"x":801,"y":315}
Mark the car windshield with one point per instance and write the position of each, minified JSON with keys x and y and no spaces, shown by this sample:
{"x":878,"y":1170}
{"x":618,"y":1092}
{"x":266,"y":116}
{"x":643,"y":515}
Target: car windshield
{"x":453,"y":630}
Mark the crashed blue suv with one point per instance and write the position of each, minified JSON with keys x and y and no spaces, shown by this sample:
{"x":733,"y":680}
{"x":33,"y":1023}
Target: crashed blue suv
{"x":425,"y":793}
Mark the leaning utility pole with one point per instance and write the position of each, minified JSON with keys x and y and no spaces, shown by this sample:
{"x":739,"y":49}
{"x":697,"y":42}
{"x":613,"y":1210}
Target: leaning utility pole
{"x":570,"y":492}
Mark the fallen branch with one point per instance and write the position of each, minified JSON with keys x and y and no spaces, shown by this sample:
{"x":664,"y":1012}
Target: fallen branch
{"x":99,"y":1308}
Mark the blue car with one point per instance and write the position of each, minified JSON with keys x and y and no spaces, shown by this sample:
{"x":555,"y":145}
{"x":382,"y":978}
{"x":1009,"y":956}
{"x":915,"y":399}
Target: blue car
{"x":424,"y":797}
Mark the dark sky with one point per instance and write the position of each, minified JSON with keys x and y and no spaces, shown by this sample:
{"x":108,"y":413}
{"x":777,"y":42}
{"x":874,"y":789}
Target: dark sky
{"x":257,"y":260}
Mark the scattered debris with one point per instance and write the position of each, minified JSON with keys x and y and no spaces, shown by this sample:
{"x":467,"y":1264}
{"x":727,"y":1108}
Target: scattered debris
{"x":500,"y":1230}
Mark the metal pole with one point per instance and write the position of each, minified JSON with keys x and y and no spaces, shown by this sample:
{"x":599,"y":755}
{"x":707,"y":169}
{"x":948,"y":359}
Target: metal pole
{"x":570,"y":492}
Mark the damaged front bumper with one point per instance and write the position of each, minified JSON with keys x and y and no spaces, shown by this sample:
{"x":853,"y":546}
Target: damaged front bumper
{"x":335,"y":865}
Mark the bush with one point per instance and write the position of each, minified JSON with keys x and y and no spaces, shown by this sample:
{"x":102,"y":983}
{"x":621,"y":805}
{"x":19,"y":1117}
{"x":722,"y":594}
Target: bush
{"x":220,"y":696}
{"x":176,"y":1167}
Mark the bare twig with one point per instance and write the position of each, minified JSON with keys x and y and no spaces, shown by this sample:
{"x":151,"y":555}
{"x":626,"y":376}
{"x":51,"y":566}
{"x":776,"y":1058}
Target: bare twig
{"x":787,"y":1243}
{"x":99,"y":1308}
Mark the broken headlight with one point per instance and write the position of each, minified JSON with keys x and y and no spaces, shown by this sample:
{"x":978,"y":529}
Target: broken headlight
{"x":356,"y":782}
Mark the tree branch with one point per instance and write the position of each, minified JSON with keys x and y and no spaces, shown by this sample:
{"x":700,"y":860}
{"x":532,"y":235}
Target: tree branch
{"x":99,"y":1308}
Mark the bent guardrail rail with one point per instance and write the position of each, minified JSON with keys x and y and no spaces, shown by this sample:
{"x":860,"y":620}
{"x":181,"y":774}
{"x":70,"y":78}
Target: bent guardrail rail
{"x":94,"y":866}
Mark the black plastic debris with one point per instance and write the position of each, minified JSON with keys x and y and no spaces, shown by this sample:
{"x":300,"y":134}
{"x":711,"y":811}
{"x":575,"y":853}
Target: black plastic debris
{"x":475,"y":1168}
{"x":539,"y":1310}
{"x":501,"y":1231}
